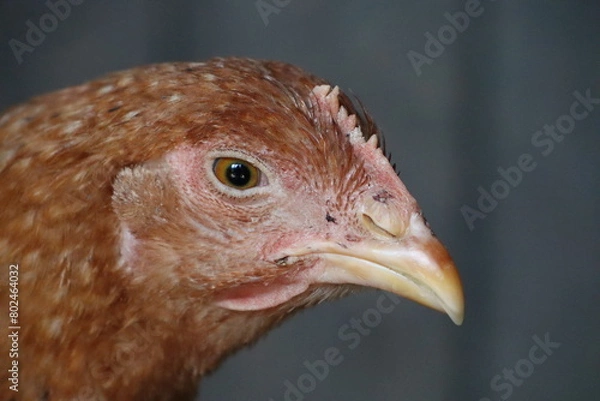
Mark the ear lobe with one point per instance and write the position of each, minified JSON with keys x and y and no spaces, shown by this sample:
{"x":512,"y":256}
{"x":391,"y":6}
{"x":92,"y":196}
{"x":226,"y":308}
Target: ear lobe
{"x":141,"y":195}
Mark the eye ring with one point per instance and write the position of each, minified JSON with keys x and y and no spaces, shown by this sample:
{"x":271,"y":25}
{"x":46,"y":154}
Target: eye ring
{"x":237,"y":173}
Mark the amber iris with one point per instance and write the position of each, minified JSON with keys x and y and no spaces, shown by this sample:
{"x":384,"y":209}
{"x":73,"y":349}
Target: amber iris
{"x":236,"y":173}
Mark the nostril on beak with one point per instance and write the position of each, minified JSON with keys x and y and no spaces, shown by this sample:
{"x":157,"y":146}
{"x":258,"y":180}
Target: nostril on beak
{"x":385,"y":226}
{"x":381,"y":215}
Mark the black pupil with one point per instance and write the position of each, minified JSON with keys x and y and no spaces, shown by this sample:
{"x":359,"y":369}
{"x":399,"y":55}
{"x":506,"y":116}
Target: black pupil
{"x":238,"y":174}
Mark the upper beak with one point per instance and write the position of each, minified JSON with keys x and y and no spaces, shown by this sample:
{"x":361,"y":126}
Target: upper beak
{"x":416,"y":266}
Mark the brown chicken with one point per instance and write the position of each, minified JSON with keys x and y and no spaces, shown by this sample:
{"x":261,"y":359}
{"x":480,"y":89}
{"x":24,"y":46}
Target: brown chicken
{"x":156,"y":220}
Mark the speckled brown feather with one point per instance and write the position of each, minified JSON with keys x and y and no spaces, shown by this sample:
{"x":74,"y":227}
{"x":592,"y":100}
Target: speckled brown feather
{"x":70,"y":161}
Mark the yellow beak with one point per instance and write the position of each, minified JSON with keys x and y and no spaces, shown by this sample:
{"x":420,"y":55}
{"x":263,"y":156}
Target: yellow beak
{"x":416,"y":266}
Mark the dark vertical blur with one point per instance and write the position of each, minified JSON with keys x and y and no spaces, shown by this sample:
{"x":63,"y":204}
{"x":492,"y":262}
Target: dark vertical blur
{"x":531,"y":267}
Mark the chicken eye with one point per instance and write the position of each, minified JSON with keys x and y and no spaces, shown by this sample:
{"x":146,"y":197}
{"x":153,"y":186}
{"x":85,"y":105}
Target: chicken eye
{"x":236,"y":173}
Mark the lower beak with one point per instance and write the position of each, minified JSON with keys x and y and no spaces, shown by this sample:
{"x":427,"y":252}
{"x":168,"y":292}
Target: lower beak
{"x":416,"y":267}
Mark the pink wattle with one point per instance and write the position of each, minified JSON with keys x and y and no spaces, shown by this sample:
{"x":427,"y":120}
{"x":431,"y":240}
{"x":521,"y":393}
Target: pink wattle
{"x":259,"y":296}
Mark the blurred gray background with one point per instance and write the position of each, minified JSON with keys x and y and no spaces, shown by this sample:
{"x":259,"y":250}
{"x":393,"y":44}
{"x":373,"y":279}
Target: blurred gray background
{"x":530,"y":268}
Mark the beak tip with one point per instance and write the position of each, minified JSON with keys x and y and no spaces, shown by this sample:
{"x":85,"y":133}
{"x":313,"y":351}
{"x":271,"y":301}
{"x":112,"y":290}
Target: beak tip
{"x":455,"y":305}
{"x":457,"y":317}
